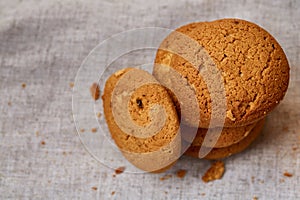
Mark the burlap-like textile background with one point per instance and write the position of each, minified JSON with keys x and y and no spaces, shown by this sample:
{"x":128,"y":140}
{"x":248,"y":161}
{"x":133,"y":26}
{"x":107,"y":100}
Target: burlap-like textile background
{"x":42,"y":44}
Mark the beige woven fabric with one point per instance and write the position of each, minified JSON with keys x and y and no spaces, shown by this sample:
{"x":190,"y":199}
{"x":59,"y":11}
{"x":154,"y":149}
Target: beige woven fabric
{"x":43,"y":43}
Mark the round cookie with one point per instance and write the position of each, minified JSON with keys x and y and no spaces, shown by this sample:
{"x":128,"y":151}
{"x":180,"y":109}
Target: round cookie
{"x":218,"y":137}
{"x":142,"y":119}
{"x":218,"y":153}
{"x":253,"y":68}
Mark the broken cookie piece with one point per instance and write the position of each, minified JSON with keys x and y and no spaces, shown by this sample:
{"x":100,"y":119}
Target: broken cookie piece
{"x":215,"y":172}
{"x":95,"y":91}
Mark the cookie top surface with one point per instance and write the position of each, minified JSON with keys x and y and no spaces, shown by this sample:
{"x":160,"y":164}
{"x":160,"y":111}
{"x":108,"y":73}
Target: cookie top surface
{"x":142,"y":119}
{"x":253,"y":66}
{"x":139,"y":108}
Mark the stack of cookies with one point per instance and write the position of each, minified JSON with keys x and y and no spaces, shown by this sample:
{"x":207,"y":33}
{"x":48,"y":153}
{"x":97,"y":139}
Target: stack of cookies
{"x":253,"y":69}
{"x":218,"y":81}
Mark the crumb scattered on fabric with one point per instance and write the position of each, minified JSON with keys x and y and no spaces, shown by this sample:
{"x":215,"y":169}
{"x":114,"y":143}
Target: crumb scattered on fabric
{"x":98,"y":114}
{"x":262,"y":181}
{"x":294,"y":148}
{"x":43,"y":142}
{"x":113,"y":192}
{"x":82,"y":130}
{"x":94,"y":130}
{"x":285,"y":128}
{"x":114,"y":175}
{"x":23,"y":85}
{"x":120,"y":170}
{"x":9,"y":103}
{"x":287,"y":174}
{"x":94,"y":188}
{"x":255,"y":198}
{"x":95,"y":91}
{"x":215,"y":172}
{"x":71,"y":85}
{"x":203,"y":194}
{"x":281,"y":180}
{"x":165,"y":177}
{"x":252,"y":179}
{"x":181,"y":173}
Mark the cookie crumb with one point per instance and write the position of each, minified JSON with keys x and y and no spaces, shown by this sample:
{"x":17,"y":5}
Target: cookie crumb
{"x":120,"y":170}
{"x":294,"y":148}
{"x":215,"y":172}
{"x":285,"y":128}
{"x":113,"y":192}
{"x":43,"y":142}
{"x":98,"y":114}
{"x":255,"y":198}
{"x":287,"y":174}
{"x":94,"y":130}
{"x":64,"y":153}
{"x":9,"y":103}
{"x":71,"y":84}
{"x":95,"y":91}
{"x":23,"y":85}
{"x":262,"y":181}
{"x":114,"y":175}
{"x":165,"y":177}
{"x":281,"y":180}
{"x":120,"y":72}
{"x":82,"y":130}
{"x":181,"y":173}
{"x":94,"y":188}
{"x":203,"y":194}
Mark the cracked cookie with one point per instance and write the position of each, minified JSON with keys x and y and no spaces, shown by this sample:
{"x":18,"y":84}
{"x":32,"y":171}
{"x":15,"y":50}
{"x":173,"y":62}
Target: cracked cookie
{"x":252,"y":67}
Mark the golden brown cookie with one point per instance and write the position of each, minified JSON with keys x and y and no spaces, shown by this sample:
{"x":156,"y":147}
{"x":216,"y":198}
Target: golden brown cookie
{"x":250,"y":62}
{"x":215,"y":172}
{"x":218,"y":137}
{"x":218,"y":153}
{"x":142,"y":119}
